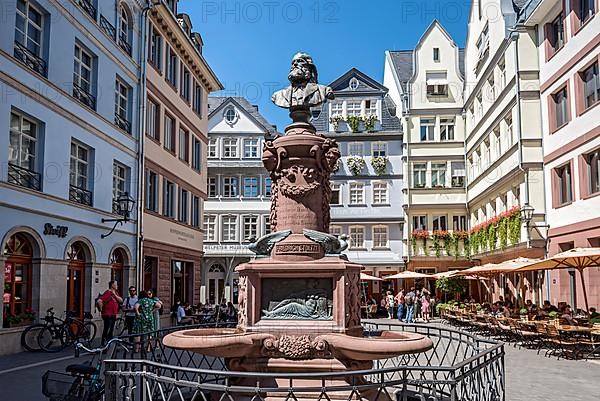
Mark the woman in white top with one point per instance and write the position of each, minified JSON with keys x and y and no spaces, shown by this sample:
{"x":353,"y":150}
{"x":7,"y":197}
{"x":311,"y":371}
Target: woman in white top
{"x":390,"y":304}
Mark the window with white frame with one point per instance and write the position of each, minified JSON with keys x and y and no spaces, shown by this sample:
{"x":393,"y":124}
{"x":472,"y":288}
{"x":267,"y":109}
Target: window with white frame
{"x":29,"y":30}
{"x":420,"y":222}
{"x":122,"y":94}
{"x":195,"y":211}
{"x":169,"y":137}
{"x":353,"y":84}
{"x":184,"y":205}
{"x":419,"y":175}
{"x":229,"y":228}
{"x":479,"y":105}
{"x":357,"y":193}
{"x":250,"y":227}
{"x":497,"y":142}
{"x":80,"y":166}
{"x":210,"y":228}
{"x":357,"y":237}
{"x":371,"y":107}
{"x":23,"y":146}
{"x":355,"y":149}
{"x":337,"y":109}
{"x":458,"y":174}
{"x":427,"y":129}
{"x":230,"y":116}
{"x":353,"y":108}
{"x":184,"y":90}
{"x":438,"y":175}
{"x":212,"y":187}
{"x":268,"y":186}
{"x":83,"y":74}
{"x":153,"y":119}
{"x":591,"y":85}
{"x":212,"y":148}
{"x":230,"y":187}
{"x":250,"y":187}
{"x":198,"y":99}
{"x":155,"y":50}
{"x":151,"y":191}
{"x":380,"y":193}
{"x":184,"y":144}
{"x":335,"y":230}
{"x":267,"y":225}
{"x":230,"y":147}
{"x":168,"y":198}
{"x":483,"y":43}
{"x":439,"y":223}
{"x":196,"y":153}
{"x":508,"y":124}
{"x":459,"y":223}
{"x":502,"y":73}
{"x":251,"y":148}
{"x":171,"y":67}
{"x":379,"y":149}
{"x":124,"y":27}
{"x":380,"y":237}
{"x":447,"y":129}
{"x":336,"y":198}
{"x":120,"y":187}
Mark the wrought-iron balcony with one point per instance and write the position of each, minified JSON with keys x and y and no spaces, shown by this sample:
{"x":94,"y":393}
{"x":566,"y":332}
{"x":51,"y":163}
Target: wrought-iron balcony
{"x":122,"y":123}
{"x":32,"y":61}
{"x":84,"y":97}
{"x":124,"y":43}
{"x":88,"y":7}
{"x":80,"y":195}
{"x":21,"y":176}
{"x":108,"y":27}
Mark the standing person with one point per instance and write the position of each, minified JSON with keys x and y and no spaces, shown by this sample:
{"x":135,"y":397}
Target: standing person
{"x":129,"y":309}
{"x":109,"y":304}
{"x":400,"y":302}
{"x":390,"y":304}
{"x":418,"y":306}
{"x":152,"y":295}
{"x":425,"y":307}
{"x":409,"y":301}
{"x":144,"y":316}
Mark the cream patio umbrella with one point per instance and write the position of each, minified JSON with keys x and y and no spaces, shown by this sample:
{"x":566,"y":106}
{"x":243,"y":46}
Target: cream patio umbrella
{"x":368,"y":277}
{"x":578,"y":258}
{"x":408,"y":275}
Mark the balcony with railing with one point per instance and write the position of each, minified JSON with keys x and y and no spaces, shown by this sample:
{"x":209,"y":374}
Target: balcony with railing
{"x":122,"y":123}
{"x":439,"y":244}
{"x":84,"y":96}
{"x":108,"y":28}
{"x":24,"y":55}
{"x":80,"y":195}
{"x":124,"y":43}
{"x":88,"y":7}
{"x":26,"y":178}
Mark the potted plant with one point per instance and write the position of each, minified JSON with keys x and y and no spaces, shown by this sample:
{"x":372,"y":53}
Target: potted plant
{"x":524,"y":314}
{"x":370,"y":122}
{"x":356,"y":164}
{"x":553,"y":318}
{"x":19,"y":320}
{"x":354,"y":123}
{"x":379,"y":164}
{"x":335,"y":121}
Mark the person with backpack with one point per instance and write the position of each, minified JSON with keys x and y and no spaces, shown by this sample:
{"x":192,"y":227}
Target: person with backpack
{"x":109,"y":304}
{"x":129,"y":309}
{"x":409,"y":301}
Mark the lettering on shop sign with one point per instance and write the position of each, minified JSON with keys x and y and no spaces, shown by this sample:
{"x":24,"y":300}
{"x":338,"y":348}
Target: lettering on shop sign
{"x":182,"y":236}
{"x":59,"y":231}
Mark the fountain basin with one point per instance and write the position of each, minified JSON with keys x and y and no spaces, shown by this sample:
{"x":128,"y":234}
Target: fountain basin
{"x":216,"y":342}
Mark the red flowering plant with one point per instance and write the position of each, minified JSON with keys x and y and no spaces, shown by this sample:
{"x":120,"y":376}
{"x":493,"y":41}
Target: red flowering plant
{"x":461,"y":234}
{"x":441,"y":234}
{"x":420,"y":234}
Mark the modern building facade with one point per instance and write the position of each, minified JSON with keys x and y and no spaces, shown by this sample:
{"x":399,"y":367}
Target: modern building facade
{"x":239,"y":193}
{"x":428,"y":83}
{"x":568,"y":50}
{"x":70,"y":72}
{"x":367,"y":194}
{"x":175,"y":173}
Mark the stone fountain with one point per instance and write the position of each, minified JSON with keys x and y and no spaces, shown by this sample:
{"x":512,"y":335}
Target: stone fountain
{"x":299,"y":299}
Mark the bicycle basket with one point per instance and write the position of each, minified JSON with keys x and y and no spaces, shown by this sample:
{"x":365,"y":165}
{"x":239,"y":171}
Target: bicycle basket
{"x":62,"y":387}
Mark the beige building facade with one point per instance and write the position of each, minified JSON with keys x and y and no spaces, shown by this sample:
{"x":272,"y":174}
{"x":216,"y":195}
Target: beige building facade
{"x":178,"y":83}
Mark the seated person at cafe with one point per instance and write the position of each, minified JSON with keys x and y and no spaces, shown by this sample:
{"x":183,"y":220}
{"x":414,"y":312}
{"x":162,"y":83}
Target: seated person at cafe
{"x":548,"y":307}
{"x":594,"y":314}
{"x":182,"y":319}
{"x":567,"y":316}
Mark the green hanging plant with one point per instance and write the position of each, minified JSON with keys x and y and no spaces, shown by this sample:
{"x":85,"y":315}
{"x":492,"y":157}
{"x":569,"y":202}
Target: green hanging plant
{"x":379,"y":164}
{"x":449,"y":244}
{"x":413,"y":242}
{"x":492,"y":236}
{"x":354,"y":122}
{"x":436,"y":245}
{"x":370,"y":121}
{"x":514,"y":228}
{"x":503,"y":232}
{"x":356,"y":164}
{"x":467,"y":247}
{"x":425,"y":249}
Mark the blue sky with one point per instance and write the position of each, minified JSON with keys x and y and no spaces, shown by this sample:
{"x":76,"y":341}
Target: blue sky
{"x":249,"y":44}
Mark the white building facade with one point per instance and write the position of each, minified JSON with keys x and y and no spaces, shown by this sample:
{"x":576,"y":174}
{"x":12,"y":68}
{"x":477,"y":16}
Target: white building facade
{"x":239,"y":194}
{"x":70,"y":75}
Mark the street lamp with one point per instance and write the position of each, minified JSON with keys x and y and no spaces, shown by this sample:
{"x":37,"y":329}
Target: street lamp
{"x":124,"y":206}
{"x":527,"y":213}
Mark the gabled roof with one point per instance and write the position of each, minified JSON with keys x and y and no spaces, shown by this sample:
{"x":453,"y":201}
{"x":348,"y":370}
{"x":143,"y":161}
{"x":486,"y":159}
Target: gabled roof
{"x":217,"y":103}
{"x":341,"y":84}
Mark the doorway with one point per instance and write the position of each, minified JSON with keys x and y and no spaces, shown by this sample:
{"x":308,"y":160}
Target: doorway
{"x":216,"y":284}
{"x":76,"y":279}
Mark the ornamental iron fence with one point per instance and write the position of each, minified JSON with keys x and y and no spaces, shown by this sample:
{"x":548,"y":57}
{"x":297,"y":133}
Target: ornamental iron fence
{"x":459,"y":367}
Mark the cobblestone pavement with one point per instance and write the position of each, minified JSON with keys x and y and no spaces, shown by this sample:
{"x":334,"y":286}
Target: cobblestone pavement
{"x":529,"y":377}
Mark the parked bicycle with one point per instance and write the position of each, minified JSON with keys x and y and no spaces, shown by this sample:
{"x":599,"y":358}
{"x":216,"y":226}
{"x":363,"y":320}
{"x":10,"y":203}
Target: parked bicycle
{"x":56,"y":334}
{"x":81,"y":382}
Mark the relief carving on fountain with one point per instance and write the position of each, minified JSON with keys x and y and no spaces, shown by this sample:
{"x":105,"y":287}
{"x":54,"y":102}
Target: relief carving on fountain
{"x":296,"y":347}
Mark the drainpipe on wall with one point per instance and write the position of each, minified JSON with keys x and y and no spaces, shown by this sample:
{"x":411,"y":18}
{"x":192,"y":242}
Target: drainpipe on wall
{"x":404,"y":105}
{"x":141,"y":141}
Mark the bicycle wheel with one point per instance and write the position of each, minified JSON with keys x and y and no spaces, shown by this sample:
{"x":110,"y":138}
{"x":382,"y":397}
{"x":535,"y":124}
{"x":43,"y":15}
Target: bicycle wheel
{"x":29,"y":337}
{"x":119,"y":327}
{"x":53,"y":338}
{"x":88,"y":332}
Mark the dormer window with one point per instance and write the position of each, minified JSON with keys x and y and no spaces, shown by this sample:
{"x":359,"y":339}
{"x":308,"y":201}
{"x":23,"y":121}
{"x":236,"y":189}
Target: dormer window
{"x":483,"y":43}
{"x":436,"y":54}
{"x":353,"y":84}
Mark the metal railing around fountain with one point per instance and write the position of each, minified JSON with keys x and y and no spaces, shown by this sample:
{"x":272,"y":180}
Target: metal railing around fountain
{"x":460,"y":366}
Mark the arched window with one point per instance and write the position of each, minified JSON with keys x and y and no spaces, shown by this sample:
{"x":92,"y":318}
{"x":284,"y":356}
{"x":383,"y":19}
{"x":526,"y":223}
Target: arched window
{"x":117,"y":262}
{"x":216,"y":283}
{"x":17,"y":277}
{"x":230,"y":116}
{"x":124,"y":27}
{"x":76,"y":277}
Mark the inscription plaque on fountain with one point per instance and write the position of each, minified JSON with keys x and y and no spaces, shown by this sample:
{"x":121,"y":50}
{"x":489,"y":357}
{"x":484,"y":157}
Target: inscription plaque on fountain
{"x":297,"y":298}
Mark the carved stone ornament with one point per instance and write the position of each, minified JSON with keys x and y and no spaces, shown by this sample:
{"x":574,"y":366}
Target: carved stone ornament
{"x":296,"y":347}
{"x":298,"y":181}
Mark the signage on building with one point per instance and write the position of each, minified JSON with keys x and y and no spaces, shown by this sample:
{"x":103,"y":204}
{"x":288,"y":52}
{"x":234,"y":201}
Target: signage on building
{"x":230,"y":248}
{"x":59,"y":231}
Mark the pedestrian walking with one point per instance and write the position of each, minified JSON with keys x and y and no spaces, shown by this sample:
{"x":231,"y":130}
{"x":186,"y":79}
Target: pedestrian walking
{"x":417,"y":312}
{"x":400,"y":302}
{"x":390,"y":303}
{"x":109,"y":304}
{"x":425,"y":307}
{"x":409,"y":301}
{"x":152,"y":295}
{"x":144,"y":316}
{"x":129,"y":309}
